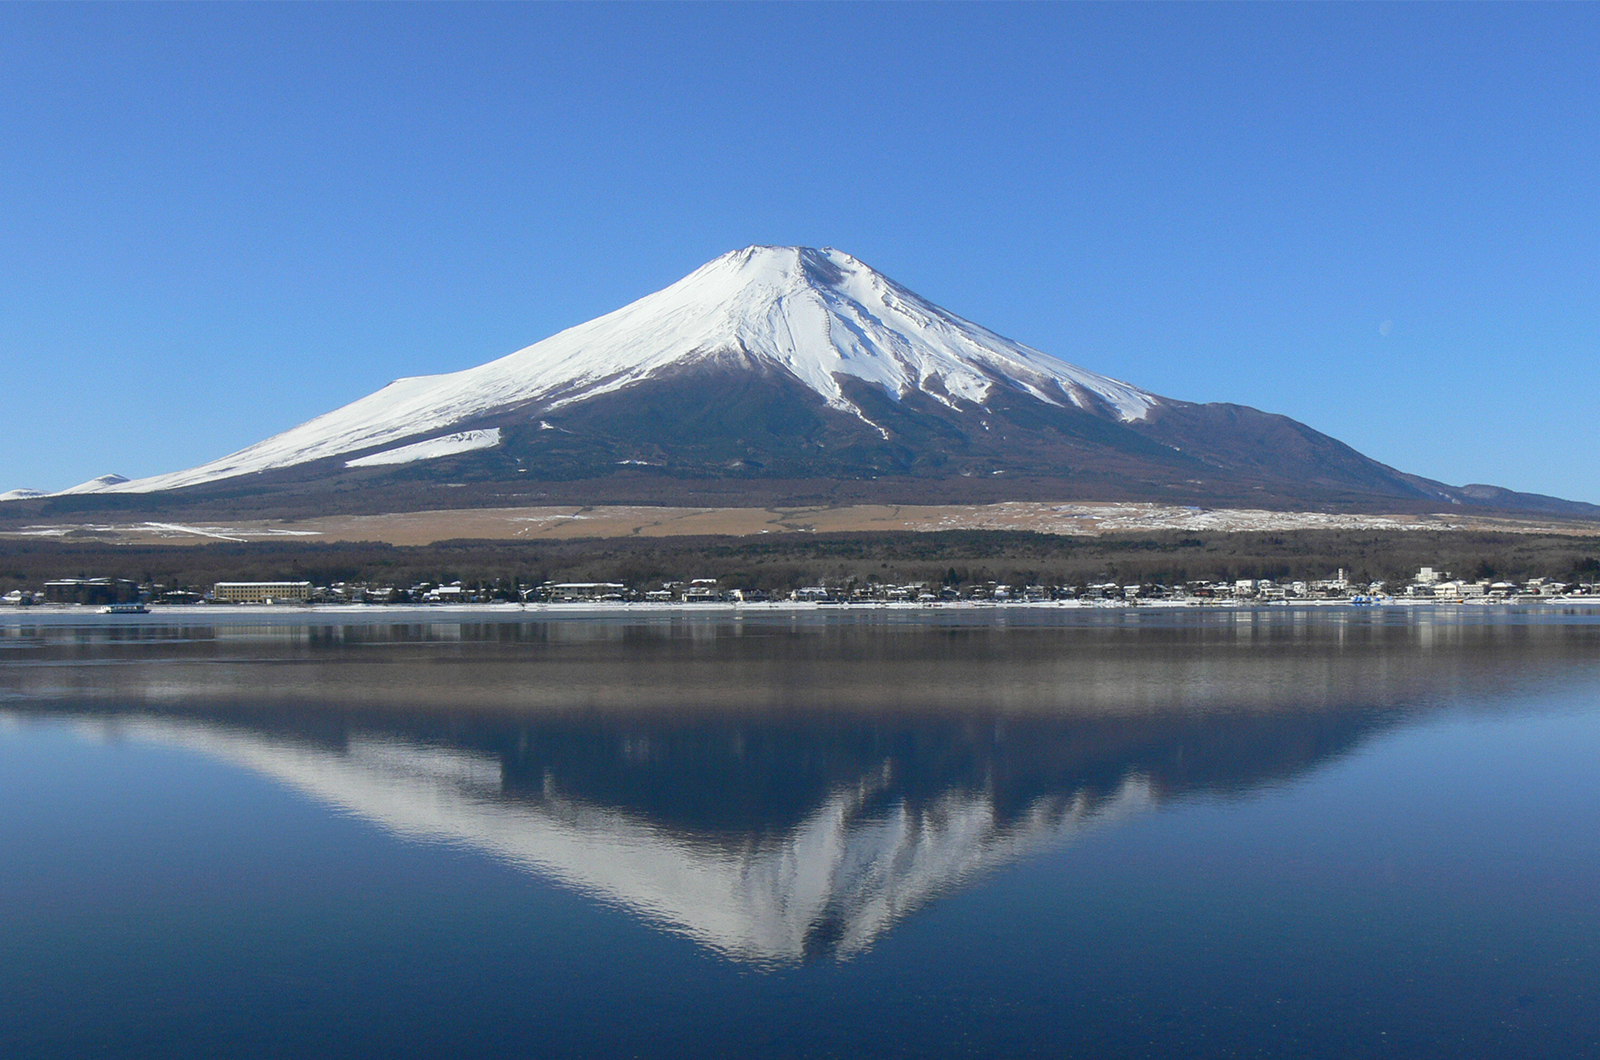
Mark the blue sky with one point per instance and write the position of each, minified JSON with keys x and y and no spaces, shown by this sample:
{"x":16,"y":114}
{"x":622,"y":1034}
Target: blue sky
{"x":217,"y":221}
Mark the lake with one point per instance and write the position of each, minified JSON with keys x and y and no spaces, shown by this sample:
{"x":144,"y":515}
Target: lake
{"x":1323,"y":832}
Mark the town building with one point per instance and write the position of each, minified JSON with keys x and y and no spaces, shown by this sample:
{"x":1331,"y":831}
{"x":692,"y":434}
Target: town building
{"x":98,"y":591}
{"x":573,"y":592}
{"x":261,"y":592}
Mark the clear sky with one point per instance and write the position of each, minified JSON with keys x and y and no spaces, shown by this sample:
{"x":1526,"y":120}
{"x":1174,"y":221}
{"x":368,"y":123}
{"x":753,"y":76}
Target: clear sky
{"x":220,"y":220}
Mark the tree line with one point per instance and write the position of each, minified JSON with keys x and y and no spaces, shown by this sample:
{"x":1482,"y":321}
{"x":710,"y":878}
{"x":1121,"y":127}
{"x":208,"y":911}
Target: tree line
{"x":788,"y":561}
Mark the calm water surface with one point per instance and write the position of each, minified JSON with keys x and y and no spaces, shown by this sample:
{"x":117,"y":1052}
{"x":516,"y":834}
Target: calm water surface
{"x":1330,"y":833}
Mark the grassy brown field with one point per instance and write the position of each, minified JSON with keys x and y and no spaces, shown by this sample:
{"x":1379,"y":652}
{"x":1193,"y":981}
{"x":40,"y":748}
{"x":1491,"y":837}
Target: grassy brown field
{"x":633,"y":521}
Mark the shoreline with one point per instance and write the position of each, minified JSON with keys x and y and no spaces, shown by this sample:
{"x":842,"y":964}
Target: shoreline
{"x":370,"y":614}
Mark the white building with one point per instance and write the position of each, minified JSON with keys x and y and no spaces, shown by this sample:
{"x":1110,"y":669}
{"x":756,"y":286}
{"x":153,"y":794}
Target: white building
{"x":568,"y":592}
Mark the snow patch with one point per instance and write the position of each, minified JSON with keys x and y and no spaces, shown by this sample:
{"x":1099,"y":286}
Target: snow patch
{"x":197,"y":531}
{"x":21,"y":495}
{"x":432,"y":448}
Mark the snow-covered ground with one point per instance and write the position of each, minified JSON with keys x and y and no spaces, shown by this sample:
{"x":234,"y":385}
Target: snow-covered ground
{"x":1120,"y":518}
{"x":177,"y":532}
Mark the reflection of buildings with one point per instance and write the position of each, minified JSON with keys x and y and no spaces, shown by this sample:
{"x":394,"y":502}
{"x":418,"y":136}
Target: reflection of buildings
{"x":767,"y":842}
{"x":1028,"y":663}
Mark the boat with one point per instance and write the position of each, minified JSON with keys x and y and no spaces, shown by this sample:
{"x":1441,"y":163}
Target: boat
{"x":124,"y":609}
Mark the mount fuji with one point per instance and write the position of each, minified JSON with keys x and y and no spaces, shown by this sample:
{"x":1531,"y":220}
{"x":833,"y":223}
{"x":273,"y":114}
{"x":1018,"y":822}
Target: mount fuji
{"x":792,"y":374}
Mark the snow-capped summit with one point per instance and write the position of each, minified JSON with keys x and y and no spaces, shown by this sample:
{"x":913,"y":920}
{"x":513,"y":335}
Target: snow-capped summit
{"x":781,"y":374}
{"x":819,"y":315}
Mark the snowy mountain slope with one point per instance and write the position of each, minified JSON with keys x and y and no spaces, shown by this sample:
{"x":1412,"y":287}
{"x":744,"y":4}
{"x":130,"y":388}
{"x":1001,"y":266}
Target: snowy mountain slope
{"x":785,"y":375}
{"x":819,"y":315}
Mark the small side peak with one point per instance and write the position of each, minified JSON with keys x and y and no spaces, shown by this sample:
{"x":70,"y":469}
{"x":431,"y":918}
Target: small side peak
{"x":95,"y":485}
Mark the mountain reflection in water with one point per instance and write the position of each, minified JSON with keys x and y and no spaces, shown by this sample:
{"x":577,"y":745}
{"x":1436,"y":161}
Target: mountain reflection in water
{"x":775,"y":793}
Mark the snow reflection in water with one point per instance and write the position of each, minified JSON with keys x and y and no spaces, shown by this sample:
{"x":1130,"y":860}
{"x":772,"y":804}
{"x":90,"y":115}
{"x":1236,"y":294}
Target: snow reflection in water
{"x":831,"y":884}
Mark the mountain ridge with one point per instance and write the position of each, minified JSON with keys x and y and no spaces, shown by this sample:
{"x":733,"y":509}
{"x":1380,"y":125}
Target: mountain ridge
{"x":788,"y":364}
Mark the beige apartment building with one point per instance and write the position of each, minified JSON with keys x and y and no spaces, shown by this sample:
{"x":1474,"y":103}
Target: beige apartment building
{"x":261,"y":592}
